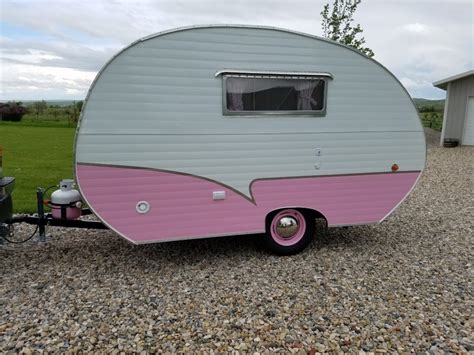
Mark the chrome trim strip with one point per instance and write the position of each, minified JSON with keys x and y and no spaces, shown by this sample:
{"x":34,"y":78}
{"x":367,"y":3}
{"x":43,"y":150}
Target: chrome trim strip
{"x":226,"y":112}
{"x":273,"y":72}
{"x":403,"y":199}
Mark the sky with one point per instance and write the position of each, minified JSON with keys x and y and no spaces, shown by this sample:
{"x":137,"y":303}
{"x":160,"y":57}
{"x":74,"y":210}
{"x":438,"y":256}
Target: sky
{"x":54,"y":49}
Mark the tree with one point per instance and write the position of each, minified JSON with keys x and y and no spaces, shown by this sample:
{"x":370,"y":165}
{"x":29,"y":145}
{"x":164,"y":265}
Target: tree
{"x":79,"y":105}
{"x":76,"y":110}
{"x":40,"y":106}
{"x":338,"y":25}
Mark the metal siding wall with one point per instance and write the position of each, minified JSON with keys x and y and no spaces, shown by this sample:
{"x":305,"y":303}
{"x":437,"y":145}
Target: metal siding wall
{"x":159,"y":105}
{"x":456,"y":111}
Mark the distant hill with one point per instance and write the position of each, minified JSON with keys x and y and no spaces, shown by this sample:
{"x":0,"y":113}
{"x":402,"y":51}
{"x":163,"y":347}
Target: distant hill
{"x":425,"y":105}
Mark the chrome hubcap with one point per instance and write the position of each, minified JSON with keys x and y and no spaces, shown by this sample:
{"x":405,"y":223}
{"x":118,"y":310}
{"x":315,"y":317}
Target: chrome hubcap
{"x":287,"y":227}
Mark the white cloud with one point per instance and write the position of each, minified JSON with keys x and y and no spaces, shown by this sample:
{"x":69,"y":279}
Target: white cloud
{"x":409,"y":83}
{"x":419,"y":42}
{"x":417,"y":28}
{"x":28,"y":81}
{"x":31,"y":56}
{"x":73,"y":91}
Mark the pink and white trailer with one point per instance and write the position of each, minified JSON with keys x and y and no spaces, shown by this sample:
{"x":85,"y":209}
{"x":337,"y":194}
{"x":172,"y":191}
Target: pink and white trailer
{"x":222,"y":130}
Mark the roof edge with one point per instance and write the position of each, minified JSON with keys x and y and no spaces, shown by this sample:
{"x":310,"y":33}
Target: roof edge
{"x":443,"y":84}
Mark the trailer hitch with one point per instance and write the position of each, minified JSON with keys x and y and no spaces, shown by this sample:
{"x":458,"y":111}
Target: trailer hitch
{"x":42,"y":219}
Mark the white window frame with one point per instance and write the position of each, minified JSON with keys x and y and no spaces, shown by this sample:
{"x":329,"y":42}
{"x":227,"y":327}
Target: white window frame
{"x":273,"y":75}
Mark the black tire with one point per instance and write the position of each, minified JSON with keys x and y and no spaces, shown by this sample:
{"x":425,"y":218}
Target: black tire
{"x":450,"y":143}
{"x":280,"y":246}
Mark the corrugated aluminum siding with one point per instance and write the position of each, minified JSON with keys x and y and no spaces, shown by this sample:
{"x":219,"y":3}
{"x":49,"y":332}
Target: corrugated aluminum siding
{"x":158,"y":104}
{"x":458,"y":94}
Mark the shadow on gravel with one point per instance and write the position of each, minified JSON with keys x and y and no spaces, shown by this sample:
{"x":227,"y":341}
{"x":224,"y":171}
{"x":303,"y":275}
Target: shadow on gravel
{"x":109,"y":252}
{"x":350,"y":237}
{"x":189,"y":251}
{"x":251,"y":243}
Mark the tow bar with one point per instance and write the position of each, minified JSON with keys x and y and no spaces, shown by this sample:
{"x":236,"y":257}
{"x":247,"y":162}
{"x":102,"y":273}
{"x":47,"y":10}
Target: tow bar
{"x":42,"y":219}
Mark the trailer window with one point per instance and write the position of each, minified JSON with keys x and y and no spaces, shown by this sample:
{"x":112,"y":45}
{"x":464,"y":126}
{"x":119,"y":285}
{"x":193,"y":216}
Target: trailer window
{"x":274,"y":94}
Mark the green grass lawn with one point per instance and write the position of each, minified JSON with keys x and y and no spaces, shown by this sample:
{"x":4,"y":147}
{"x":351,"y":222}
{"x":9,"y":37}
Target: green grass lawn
{"x":45,"y":120}
{"x":35,"y":156}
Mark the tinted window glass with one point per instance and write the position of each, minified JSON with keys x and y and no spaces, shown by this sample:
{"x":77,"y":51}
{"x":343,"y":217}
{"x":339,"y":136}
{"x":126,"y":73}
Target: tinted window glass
{"x":251,"y":94}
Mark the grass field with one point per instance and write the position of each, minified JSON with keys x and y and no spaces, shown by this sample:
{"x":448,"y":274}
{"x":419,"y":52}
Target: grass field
{"x":432,"y":120}
{"x":36,"y":156}
{"x":47,"y":120}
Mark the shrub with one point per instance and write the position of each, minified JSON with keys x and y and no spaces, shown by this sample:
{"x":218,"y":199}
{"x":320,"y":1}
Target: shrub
{"x":12,"y":111}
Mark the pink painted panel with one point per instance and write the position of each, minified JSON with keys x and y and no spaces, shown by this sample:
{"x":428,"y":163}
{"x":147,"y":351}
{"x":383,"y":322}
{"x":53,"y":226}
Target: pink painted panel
{"x":182,"y":206}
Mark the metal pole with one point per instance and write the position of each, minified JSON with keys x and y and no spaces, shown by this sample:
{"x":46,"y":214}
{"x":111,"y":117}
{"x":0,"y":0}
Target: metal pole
{"x":3,"y":232}
{"x":41,"y":223}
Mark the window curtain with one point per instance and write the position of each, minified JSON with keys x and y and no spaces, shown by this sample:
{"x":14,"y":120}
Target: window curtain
{"x":305,"y":90}
{"x":236,"y":87}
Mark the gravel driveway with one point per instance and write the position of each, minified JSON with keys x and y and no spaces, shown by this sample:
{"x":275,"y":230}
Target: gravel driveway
{"x":403,"y":285}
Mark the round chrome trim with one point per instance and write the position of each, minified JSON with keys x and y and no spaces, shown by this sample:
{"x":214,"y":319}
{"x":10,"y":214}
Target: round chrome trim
{"x":142,"y":207}
{"x":287,"y":227}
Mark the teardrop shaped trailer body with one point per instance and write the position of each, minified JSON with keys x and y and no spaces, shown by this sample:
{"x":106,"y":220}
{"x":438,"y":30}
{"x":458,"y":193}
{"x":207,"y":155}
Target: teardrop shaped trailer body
{"x":206,"y":131}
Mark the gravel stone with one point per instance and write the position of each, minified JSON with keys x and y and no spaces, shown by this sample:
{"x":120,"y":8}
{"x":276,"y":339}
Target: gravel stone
{"x":405,"y":285}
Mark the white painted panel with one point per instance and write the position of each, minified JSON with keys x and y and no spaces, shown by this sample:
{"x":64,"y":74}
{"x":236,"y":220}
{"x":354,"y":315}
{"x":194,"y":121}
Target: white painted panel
{"x":468,"y":134}
{"x":158,"y":104}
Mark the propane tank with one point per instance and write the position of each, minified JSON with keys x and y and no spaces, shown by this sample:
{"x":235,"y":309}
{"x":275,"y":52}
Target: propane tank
{"x":66,"y":202}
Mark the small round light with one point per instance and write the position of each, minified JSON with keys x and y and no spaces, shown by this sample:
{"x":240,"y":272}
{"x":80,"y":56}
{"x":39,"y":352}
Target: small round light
{"x":79,"y":204}
{"x":394,"y":167}
{"x":142,"y":207}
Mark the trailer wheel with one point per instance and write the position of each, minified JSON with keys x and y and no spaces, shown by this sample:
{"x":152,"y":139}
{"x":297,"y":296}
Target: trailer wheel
{"x":289,"y":231}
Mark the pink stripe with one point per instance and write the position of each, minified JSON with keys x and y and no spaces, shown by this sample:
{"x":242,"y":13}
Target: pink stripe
{"x":182,"y":206}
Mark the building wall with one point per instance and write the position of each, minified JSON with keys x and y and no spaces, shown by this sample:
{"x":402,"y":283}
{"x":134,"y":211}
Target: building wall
{"x":457,"y":95}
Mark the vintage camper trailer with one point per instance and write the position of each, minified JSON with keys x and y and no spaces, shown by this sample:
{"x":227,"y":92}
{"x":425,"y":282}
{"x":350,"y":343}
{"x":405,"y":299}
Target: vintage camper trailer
{"x":224,"y":130}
